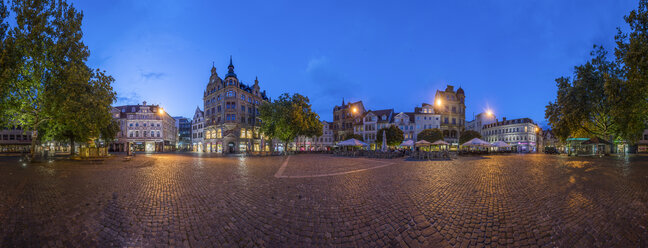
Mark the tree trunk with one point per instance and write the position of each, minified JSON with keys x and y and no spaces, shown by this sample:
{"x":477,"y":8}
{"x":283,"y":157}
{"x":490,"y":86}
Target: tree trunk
{"x":72,"y":151}
{"x":34,"y":139}
{"x":32,"y":150}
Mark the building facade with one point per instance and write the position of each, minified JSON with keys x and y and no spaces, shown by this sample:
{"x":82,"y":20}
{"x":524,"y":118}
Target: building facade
{"x":425,"y":118}
{"x":368,"y":125}
{"x":197,"y":139}
{"x":146,"y":128}
{"x":480,"y":120}
{"x":451,"y":107}
{"x":231,"y":114}
{"x":406,"y":123}
{"x":14,"y":139}
{"x":183,"y":125}
{"x":321,"y":143}
{"x":522,"y":134}
{"x":344,"y":118}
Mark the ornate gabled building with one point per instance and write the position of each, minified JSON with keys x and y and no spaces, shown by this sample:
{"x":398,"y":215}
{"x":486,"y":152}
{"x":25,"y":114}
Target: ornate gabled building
{"x":452,"y":108}
{"x":197,"y":132}
{"x":231,"y":114}
{"x":368,"y":125}
{"x":344,"y":118}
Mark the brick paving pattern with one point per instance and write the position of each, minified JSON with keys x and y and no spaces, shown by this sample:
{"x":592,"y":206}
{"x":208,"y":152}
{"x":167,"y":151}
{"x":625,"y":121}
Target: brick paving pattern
{"x":201,"y":201}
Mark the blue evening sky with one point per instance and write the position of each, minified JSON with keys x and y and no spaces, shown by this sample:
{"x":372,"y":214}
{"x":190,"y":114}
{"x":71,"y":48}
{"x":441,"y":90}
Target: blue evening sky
{"x":389,"y":54}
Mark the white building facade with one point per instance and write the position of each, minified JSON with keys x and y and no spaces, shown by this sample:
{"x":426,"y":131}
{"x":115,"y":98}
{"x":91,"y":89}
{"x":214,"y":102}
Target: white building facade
{"x":370,"y":123}
{"x":425,"y":118}
{"x":406,"y":123}
{"x":197,"y":131}
{"x":521,"y":134}
{"x":146,"y":128}
{"x":480,"y":120}
{"x":320,"y":143}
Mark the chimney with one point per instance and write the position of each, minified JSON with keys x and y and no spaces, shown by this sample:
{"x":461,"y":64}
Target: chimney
{"x":503,"y":118}
{"x":144,"y":103}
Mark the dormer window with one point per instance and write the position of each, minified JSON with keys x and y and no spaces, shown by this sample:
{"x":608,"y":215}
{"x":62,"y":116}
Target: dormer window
{"x":384,"y":117}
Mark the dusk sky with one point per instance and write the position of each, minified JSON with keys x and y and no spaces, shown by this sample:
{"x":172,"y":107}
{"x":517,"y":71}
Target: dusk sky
{"x":391,"y":54}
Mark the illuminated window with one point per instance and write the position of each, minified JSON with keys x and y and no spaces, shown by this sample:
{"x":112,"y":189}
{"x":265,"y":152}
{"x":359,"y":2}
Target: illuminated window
{"x":242,"y":132}
{"x":219,"y":134}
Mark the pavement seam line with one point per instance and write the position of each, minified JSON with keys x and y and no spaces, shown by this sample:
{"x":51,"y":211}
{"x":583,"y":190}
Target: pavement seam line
{"x":282,"y":168}
{"x":279,"y":173}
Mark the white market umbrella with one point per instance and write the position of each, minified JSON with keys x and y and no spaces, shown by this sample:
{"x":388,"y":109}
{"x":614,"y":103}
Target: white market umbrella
{"x":423,"y":143}
{"x":440,"y":142}
{"x":407,"y":143}
{"x":477,"y":142}
{"x":351,"y":142}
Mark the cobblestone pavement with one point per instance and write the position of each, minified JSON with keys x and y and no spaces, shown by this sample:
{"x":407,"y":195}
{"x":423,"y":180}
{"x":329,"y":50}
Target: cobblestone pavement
{"x":188,"y":200}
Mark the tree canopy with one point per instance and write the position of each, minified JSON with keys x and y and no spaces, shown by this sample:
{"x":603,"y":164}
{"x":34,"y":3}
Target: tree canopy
{"x":430,"y":135}
{"x":467,"y":135}
{"x":288,"y":117}
{"x":47,"y":86}
{"x":583,"y":105}
{"x":393,"y":133}
{"x":607,"y":98}
{"x":353,"y":136}
{"x":629,"y":97}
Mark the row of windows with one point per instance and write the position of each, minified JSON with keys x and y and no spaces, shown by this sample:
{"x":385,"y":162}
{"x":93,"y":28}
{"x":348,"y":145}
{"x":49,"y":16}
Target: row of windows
{"x":454,"y":121}
{"x":143,"y":117}
{"x":513,"y":138}
{"x":15,"y":137}
{"x":230,"y":94}
{"x":427,"y":126}
{"x":136,"y":134}
{"x":407,"y":127}
{"x":144,"y":124}
{"x":427,"y":118}
{"x":506,"y":130}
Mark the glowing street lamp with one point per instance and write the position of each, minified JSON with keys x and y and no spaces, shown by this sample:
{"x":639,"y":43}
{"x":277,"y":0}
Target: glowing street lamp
{"x":354,"y":110}
{"x":438,"y":102}
{"x":489,"y":113}
{"x":161,"y":111}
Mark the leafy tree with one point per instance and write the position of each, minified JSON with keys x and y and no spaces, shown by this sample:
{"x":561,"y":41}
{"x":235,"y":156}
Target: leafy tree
{"x":630,"y":97}
{"x":430,"y":135}
{"x":50,"y":89}
{"x":288,"y":117}
{"x":5,"y":63}
{"x":353,"y":136}
{"x":27,"y":66}
{"x":109,"y":132}
{"x":467,"y":135}
{"x":583,"y":105}
{"x":393,"y":133}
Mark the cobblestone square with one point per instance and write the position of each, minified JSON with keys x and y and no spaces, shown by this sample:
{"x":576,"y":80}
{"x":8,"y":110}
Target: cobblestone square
{"x":193,"y":200}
